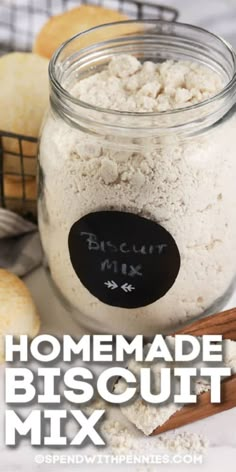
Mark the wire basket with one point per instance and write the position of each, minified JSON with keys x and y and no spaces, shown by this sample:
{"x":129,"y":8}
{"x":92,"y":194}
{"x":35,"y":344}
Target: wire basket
{"x":19,"y":22}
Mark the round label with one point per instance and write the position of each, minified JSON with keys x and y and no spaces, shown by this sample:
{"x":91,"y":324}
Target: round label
{"x":123,"y":259}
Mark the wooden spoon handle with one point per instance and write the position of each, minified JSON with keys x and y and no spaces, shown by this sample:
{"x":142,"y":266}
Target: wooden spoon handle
{"x":222,"y":323}
{"x":203,"y":408}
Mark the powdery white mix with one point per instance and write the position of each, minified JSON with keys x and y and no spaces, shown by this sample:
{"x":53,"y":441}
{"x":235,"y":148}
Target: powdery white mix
{"x":128,"y":85}
{"x":122,"y":438}
{"x":148,"y":417}
{"x":186,"y":185}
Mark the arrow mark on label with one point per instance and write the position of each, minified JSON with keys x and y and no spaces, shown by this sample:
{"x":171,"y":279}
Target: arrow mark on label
{"x":127,"y":288}
{"x":111,"y":284}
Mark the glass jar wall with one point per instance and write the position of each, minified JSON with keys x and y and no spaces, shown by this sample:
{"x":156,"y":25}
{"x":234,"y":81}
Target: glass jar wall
{"x":137,"y":208}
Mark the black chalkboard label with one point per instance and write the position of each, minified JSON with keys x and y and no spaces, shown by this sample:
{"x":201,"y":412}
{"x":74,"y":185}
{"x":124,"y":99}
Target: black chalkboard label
{"x":123,"y":259}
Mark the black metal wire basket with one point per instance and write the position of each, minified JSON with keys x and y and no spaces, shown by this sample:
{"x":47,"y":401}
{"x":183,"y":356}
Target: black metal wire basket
{"x":17,"y":31}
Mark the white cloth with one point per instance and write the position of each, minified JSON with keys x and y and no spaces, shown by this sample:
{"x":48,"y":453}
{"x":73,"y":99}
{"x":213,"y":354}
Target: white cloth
{"x":217,"y":16}
{"x":20,"y":248}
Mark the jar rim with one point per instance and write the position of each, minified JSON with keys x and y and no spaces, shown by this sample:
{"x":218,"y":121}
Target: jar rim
{"x":129,"y":114}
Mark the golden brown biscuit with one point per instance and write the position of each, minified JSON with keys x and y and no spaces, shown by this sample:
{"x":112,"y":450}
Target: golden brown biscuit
{"x":62,"y":27}
{"x":24,"y":96}
{"x":18,"y":314}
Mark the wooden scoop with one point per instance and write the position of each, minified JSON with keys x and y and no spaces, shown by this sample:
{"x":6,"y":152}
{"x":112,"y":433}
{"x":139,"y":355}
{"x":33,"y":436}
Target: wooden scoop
{"x":222,"y":323}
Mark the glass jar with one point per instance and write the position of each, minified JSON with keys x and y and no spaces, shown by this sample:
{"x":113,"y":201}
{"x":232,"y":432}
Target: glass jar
{"x":137,"y":210}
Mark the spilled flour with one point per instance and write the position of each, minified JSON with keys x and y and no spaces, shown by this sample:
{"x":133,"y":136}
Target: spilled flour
{"x":126,"y":429}
{"x":121,"y":441}
{"x":122,"y":438}
{"x":147,"y":417}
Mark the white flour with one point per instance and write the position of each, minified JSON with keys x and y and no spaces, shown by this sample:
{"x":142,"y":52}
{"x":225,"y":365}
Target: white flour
{"x":147,"y":417}
{"x":122,"y":438}
{"x":127,"y":85}
{"x":187,"y":186}
{"x":124,"y":433}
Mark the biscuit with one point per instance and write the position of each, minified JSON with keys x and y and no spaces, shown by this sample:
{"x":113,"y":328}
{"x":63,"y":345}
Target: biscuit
{"x":62,"y":27}
{"x":24,"y":96}
{"x":18,"y":314}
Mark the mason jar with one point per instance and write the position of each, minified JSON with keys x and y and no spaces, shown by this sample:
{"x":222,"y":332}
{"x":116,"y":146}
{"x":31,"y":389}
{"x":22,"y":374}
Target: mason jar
{"x":137,"y":209}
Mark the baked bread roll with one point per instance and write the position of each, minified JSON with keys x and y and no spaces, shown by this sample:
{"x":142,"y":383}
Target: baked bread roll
{"x":62,"y":27}
{"x":24,"y":98}
{"x":18,"y":314}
